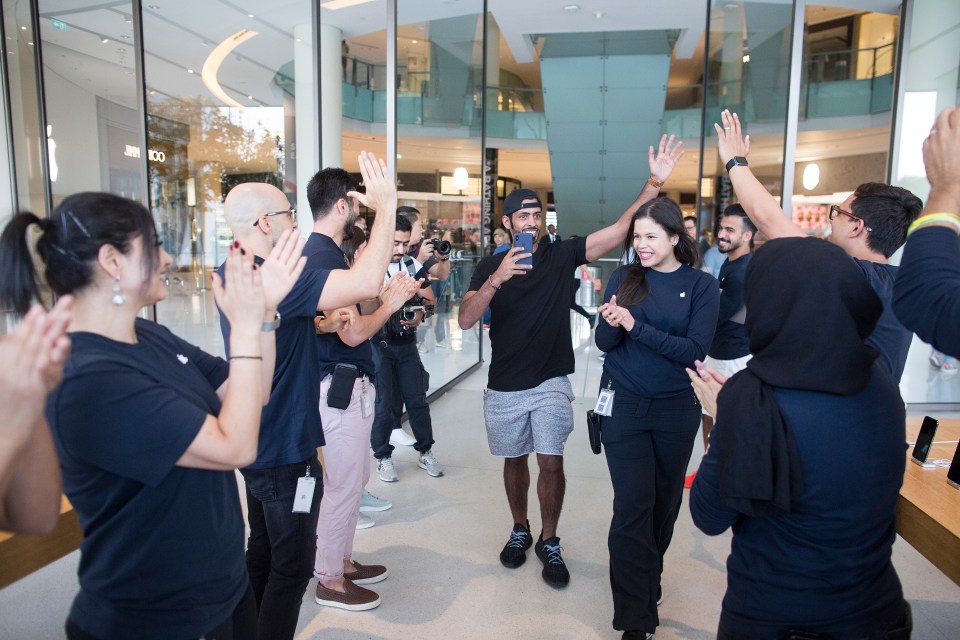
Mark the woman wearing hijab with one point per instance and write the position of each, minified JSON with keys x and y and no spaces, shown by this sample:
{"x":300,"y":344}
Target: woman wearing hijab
{"x":806,"y":457}
{"x":149,"y":428}
{"x":659,"y":317}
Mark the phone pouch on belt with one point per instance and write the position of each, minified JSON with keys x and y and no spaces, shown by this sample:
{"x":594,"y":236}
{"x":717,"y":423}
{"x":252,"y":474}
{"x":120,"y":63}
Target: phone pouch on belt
{"x":341,"y":386}
{"x":593,"y":430}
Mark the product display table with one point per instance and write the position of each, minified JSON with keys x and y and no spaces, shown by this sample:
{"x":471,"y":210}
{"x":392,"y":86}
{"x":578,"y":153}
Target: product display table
{"x":928,"y":513}
{"x":21,"y":555}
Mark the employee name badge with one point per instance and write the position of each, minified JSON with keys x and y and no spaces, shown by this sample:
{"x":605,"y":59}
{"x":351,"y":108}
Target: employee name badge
{"x":605,"y":401}
{"x":366,"y":404}
{"x":304,"y":497}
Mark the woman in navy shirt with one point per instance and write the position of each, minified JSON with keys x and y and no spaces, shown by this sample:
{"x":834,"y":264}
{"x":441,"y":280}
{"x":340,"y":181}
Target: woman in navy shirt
{"x":149,"y":428}
{"x":659,"y":316}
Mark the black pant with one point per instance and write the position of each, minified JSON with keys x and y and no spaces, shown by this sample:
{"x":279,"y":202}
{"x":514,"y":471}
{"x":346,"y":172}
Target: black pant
{"x":282,"y":546}
{"x":648,"y":443}
{"x":573,"y":302}
{"x":400,"y":370}
{"x":241,"y":625}
{"x":900,"y":629}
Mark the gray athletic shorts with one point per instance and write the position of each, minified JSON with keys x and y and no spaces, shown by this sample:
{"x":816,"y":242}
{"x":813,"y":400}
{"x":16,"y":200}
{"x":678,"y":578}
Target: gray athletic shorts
{"x":533,"y":420}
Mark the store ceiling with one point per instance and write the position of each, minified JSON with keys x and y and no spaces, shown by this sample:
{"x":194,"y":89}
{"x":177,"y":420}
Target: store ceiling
{"x":91,"y":44}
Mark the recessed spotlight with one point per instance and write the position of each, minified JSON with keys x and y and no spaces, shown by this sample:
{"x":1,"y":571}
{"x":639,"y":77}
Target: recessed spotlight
{"x":104,"y":40}
{"x":413,"y":42}
{"x":23,"y":28}
{"x":598,"y":14}
{"x":571,"y":8}
{"x":249,"y":97}
{"x":190,"y":71}
{"x":299,"y":40}
{"x":30,"y":43}
{"x":250,"y":15}
{"x":153,"y":6}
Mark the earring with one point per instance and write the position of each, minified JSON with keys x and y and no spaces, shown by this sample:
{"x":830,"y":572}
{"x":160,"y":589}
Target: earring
{"x":118,"y":298}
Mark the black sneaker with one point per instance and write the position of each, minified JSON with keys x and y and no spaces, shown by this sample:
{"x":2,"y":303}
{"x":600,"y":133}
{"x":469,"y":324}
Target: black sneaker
{"x":555,"y":571}
{"x":514,"y":553}
{"x":659,"y":596}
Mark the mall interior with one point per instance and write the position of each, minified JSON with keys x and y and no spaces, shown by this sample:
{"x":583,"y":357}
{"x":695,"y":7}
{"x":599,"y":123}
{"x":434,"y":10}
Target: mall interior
{"x":173,"y":102}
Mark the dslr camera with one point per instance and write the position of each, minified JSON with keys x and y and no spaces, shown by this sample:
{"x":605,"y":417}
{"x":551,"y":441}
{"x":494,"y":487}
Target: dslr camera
{"x":441,"y":247}
{"x":408,"y":313}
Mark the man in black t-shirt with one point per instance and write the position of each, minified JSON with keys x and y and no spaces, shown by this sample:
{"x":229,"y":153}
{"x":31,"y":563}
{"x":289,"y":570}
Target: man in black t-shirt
{"x":527,"y":401}
{"x":282,"y":543}
{"x":870,"y":225}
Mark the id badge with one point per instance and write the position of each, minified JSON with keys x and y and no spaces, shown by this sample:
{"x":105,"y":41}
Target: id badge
{"x":304,"y":497}
{"x":366,"y":405}
{"x":605,"y":402}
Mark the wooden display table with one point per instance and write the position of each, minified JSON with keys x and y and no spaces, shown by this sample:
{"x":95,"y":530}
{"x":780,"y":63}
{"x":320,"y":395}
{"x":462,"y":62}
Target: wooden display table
{"x":928,"y":512}
{"x":21,"y":555}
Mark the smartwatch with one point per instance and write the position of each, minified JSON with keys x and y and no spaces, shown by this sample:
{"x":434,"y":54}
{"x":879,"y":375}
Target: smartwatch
{"x":272,"y":325}
{"x":736,"y":161}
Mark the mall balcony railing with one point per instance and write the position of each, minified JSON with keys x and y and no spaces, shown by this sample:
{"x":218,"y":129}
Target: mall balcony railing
{"x":853,"y":82}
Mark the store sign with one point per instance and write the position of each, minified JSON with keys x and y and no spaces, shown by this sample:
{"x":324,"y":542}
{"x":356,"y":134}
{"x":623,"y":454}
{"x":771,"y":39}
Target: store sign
{"x":132,"y":151}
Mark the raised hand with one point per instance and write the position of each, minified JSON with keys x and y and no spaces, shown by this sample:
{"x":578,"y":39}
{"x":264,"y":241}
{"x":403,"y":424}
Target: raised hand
{"x":241,"y":297}
{"x":279,"y":272}
{"x":617,"y":316}
{"x":666,"y":159}
{"x":730,"y":139}
{"x":381,"y":192}
{"x":941,"y":157}
{"x":509,"y":267}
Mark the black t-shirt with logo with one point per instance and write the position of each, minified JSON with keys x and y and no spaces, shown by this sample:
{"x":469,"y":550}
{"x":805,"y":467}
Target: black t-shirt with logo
{"x":530,"y":317}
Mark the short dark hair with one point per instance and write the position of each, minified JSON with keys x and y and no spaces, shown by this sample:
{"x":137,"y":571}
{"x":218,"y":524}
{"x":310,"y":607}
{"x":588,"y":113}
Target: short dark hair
{"x":410,"y":213}
{"x":738,"y":211}
{"x":692,"y":219}
{"x":326,"y":187}
{"x":403,"y":224}
{"x":888,"y":211}
{"x":69,"y":245}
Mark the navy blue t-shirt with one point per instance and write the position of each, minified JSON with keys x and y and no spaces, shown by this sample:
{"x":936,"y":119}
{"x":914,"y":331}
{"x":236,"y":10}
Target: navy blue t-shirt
{"x":674,"y":325}
{"x":323,"y":253}
{"x":290,"y":428}
{"x":162,"y":551}
{"x":731,"y":340}
{"x":530,"y":317}
{"x":890,"y":337}
{"x":826,"y":565}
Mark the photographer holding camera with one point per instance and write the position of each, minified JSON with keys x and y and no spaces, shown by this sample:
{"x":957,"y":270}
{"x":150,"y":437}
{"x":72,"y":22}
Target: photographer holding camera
{"x":400,"y":370}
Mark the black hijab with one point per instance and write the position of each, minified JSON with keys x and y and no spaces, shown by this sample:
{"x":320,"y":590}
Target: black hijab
{"x":809,"y":309}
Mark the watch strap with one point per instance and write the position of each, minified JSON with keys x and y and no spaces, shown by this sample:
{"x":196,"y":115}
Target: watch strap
{"x":736,"y":161}
{"x":272,"y":325}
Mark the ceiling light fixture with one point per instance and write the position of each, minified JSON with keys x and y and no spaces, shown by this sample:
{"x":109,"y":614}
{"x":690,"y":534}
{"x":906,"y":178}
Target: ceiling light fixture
{"x":211,"y":66}
{"x":333,"y":5}
{"x":104,"y":40}
{"x":811,"y":176}
{"x":571,"y":8}
{"x":190,"y":71}
{"x":250,"y":15}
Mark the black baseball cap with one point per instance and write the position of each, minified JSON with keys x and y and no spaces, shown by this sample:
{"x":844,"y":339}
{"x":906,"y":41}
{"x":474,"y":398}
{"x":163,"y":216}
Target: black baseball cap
{"x":514,"y":201}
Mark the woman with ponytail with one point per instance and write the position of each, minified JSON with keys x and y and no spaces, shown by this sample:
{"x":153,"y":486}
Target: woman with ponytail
{"x":658,"y":317}
{"x":148,"y":428}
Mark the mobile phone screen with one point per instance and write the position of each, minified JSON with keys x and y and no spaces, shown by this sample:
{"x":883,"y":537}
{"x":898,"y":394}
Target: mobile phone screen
{"x":927,"y":430}
{"x":953,"y":474}
{"x":524,"y":240}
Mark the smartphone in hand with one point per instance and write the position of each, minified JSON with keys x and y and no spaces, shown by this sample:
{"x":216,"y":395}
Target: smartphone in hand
{"x":525,"y":241}
{"x":924,"y":440}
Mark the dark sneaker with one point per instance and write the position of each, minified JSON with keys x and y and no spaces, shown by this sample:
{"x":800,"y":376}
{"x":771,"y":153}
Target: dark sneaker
{"x":366,"y":573}
{"x":353,"y":599}
{"x":514,"y":553}
{"x":636,"y":635}
{"x":659,"y":596}
{"x":555,"y":571}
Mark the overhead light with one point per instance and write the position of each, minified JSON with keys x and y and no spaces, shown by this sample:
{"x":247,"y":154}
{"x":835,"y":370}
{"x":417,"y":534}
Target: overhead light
{"x":413,"y":42}
{"x":211,"y":66}
{"x":250,"y":15}
{"x":153,"y":6}
{"x":746,"y":58}
{"x":461,"y":179}
{"x":399,"y":157}
{"x":706,"y":188}
{"x":104,"y":40}
{"x":571,"y":8}
{"x":811,"y":176}
{"x":190,"y":71}
{"x":598,"y":14}
{"x":23,"y":28}
{"x":333,"y":5}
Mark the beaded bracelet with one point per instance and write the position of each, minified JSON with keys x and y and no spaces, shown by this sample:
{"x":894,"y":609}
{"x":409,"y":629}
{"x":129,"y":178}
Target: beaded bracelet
{"x":934,"y":218}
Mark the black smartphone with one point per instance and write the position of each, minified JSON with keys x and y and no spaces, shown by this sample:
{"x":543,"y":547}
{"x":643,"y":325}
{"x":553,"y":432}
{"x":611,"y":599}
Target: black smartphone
{"x":341,"y":386}
{"x":953,"y":474}
{"x":593,"y":430}
{"x":924,"y":440}
{"x":524,"y":240}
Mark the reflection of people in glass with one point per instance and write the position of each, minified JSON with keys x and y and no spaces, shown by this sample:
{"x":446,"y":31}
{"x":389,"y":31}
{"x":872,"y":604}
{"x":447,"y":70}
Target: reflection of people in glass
{"x":813,"y":526}
{"x":149,"y":428}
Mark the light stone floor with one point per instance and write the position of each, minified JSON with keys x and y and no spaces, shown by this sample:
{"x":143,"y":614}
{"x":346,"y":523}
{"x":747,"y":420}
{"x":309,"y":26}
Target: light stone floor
{"x":441,"y":543}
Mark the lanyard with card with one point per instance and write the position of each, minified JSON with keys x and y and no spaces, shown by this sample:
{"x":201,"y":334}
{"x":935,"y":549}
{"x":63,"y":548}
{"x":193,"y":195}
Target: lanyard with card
{"x":605,"y":401}
{"x":303,"y":500}
{"x":366,"y":404}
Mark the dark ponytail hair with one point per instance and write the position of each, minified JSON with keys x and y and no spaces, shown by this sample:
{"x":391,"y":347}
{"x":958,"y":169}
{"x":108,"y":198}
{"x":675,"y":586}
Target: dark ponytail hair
{"x":666,"y":213}
{"x":353,"y":237}
{"x":68,"y":245}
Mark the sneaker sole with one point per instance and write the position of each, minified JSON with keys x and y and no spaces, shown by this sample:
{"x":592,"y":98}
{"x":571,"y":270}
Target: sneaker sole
{"x":369,"y":509}
{"x":365,"y":606}
{"x":365,"y":525}
{"x":429,"y":473}
{"x":373,"y":580}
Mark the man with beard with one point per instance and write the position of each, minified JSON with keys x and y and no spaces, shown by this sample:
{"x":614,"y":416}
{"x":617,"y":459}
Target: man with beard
{"x":730,"y":349}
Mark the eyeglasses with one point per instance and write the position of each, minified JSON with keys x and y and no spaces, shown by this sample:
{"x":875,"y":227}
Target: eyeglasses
{"x":835,"y":209}
{"x":292,"y":211}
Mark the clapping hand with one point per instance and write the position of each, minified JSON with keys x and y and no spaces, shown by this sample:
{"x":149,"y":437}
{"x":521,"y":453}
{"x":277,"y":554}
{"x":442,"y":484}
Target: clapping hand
{"x":397,"y":290}
{"x":279,"y":272}
{"x":617,"y":316}
{"x":706,"y":385}
{"x":240,"y":298}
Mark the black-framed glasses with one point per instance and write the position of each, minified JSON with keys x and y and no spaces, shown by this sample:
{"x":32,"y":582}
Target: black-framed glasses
{"x":835,"y":209}
{"x":292,"y":211}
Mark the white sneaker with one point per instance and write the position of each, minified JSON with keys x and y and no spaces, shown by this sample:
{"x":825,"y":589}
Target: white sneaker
{"x":370,"y":502}
{"x":430,"y":464}
{"x":386,"y":470}
{"x":364,"y":521}
{"x":401,"y":437}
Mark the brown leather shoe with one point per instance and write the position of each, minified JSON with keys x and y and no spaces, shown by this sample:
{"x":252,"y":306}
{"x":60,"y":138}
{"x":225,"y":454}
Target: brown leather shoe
{"x":353,"y":599}
{"x":366,"y":573}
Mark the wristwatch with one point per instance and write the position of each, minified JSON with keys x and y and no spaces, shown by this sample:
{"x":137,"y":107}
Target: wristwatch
{"x":272,"y":325}
{"x":736,"y":161}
